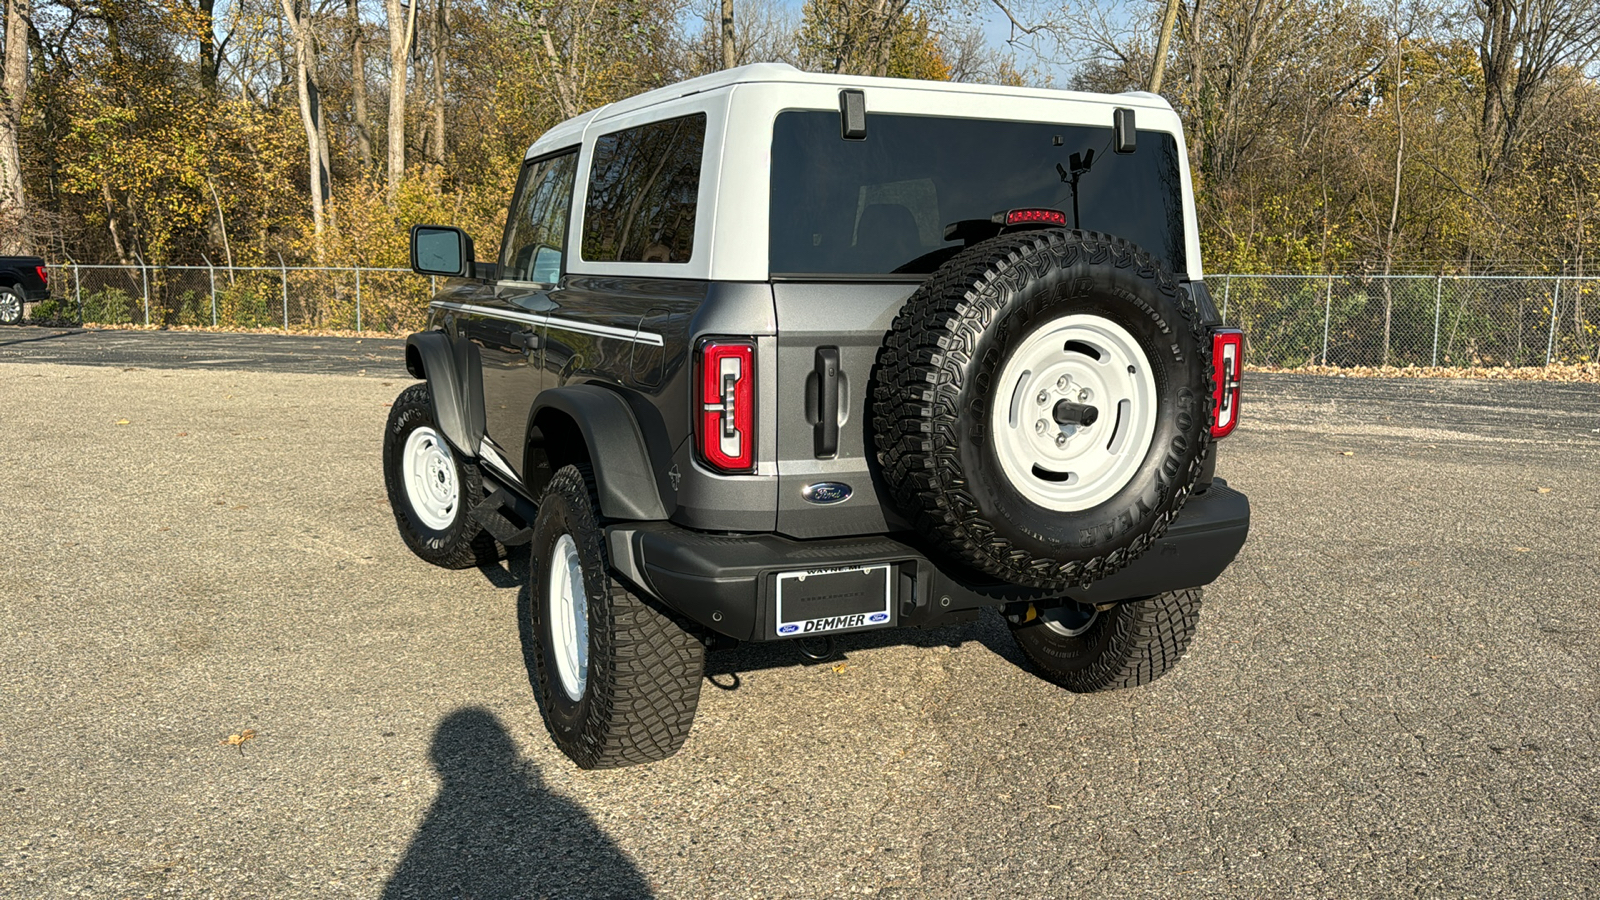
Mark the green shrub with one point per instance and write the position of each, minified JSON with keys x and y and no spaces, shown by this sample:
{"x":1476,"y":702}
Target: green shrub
{"x":109,"y":306}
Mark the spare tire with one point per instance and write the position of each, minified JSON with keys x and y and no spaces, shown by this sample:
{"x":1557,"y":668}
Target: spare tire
{"x":1041,"y":406}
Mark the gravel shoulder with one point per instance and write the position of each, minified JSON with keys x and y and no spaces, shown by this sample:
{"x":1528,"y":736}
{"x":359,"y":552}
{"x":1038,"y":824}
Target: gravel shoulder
{"x":1393,"y":691}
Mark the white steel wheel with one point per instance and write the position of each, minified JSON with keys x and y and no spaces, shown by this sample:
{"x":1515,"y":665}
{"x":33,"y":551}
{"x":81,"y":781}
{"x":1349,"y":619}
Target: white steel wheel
{"x":1074,"y":413}
{"x":568,"y":605}
{"x":428,"y":472}
{"x":1070,"y":620}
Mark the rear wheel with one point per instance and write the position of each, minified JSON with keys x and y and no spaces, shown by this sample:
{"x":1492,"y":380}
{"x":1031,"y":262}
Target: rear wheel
{"x":617,"y":680}
{"x":432,"y":488}
{"x":10,"y":306}
{"x":1085,"y":649}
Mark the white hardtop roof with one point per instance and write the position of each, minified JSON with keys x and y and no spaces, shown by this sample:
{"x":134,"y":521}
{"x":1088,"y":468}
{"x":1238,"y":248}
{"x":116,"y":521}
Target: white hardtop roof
{"x":782,"y":73}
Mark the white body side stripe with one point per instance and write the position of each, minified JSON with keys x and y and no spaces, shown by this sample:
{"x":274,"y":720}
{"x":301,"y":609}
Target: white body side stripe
{"x":621,"y":334}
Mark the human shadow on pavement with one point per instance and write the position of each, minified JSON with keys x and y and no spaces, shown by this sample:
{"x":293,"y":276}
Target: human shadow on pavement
{"x":495,"y":830}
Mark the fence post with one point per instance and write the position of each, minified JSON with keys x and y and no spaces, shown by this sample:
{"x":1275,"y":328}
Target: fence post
{"x":1227,"y":285}
{"x":1327,"y":317}
{"x":358,"y":298}
{"x":77,"y":290}
{"x":1438,"y":298}
{"x":144,"y":272}
{"x":285,"y":270}
{"x":1555,"y":308}
{"x":213,"y":274}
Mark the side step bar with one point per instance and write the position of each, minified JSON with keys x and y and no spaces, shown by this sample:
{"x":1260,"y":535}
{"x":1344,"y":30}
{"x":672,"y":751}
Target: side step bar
{"x":500,"y":514}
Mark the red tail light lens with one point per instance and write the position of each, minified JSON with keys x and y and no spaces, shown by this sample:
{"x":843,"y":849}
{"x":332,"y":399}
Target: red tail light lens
{"x":44,"y":277}
{"x":725,"y":394}
{"x":1227,"y":362}
{"x":1031,"y":216}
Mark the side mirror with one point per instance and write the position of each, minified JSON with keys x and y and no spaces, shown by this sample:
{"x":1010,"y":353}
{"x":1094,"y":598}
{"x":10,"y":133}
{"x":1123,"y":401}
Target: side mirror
{"x":441,"y":250}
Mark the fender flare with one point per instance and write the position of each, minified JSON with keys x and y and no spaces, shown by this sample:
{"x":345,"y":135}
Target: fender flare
{"x":627,"y":475}
{"x":451,"y":369}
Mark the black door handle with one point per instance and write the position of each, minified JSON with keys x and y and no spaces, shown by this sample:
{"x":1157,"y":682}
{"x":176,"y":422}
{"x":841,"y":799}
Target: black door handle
{"x":826,"y":431}
{"x":528,"y":341}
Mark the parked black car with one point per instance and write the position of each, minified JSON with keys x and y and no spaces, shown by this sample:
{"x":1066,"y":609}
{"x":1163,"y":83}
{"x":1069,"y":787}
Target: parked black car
{"x":23,"y":280}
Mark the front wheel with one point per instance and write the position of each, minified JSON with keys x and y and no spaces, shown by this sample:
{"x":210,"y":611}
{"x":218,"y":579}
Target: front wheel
{"x":617,"y":680}
{"x":432,"y":488}
{"x":1086,"y":650}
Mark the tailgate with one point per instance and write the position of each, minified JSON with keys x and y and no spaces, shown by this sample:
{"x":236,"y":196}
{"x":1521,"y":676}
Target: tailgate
{"x":818,"y":323}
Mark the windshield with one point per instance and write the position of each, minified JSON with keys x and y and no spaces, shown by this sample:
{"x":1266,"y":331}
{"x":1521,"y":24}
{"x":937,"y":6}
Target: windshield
{"x":881,"y":206}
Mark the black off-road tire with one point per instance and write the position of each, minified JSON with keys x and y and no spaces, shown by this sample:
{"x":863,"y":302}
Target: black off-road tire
{"x":1129,"y":645}
{"x":644,"y":669}
{"x":936,"y":377}
{"x":11,"y":306}
{"x":463,"y":543}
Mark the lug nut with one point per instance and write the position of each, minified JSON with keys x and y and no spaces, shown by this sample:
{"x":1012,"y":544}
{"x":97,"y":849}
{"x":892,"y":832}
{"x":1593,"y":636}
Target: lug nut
{"x":1061,"y":440}
{"x":1083,"y":396}
{"x":1062,"y":382}
{"x":1040,"y":426}
{"x":1044,"y":397}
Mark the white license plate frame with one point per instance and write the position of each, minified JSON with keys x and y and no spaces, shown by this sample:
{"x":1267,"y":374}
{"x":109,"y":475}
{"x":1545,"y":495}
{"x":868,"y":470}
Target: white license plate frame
{"x":875,"y":609}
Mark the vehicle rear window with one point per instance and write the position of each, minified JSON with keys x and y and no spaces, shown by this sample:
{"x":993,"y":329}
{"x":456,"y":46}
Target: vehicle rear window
{"x":644,"y":187}
{"x":880,"y":206}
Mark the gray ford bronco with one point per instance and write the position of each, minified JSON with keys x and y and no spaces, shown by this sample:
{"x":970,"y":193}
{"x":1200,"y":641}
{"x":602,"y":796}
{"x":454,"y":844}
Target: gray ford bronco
{"x":770,"y":355}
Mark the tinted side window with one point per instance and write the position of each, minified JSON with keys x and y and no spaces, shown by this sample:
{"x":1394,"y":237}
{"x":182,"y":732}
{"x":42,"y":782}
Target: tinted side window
{"x":644,"y":185}
{"x":536,"y":233}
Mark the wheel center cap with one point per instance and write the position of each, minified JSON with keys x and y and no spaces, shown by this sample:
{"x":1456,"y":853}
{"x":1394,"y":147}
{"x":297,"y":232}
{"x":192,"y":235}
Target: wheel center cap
{"x":1068,"y":413}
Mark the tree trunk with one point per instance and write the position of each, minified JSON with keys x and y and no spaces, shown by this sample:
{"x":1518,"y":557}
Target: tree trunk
{"x":1160,"y":67}
{"x":402,"y":28}
{"x":13,"y":94}
{"x":441,"y":33}
{"x":305,"y":83}
{"x":1399,"y":164}
{"x":358,"y":85}
{"x":727,"y":34}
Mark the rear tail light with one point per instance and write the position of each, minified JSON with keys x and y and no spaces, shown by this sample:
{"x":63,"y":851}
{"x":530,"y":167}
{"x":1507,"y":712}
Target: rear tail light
{"x":44,"y":277}
{"x":725,"y":394}
{"x":1227,"y":362}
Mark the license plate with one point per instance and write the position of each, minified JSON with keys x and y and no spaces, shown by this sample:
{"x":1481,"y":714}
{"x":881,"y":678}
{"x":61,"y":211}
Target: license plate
{"x":828,"y":600}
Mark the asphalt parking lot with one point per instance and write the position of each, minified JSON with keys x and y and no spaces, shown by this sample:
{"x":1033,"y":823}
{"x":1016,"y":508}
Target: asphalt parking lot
{"x":1394,"y":691}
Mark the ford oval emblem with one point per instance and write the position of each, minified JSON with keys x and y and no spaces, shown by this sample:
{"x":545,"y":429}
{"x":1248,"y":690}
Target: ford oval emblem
{"x":825,"y":492}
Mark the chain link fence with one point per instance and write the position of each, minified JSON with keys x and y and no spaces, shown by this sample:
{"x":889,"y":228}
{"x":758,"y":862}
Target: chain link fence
{"x":355,"y":299}
{"x":1412,"y":320}
{"x":1288,"y":320}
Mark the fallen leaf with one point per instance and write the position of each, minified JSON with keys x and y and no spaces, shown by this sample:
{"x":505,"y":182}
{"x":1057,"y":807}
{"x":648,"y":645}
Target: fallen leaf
{"x":239,"y":507}
{"x":237,"y":740}
{"x":1523,"y":550}
{"x":1347,"y":453}
{"x":183,"y":434}
{"x":838,"y":668}
{"x":165,"y":528}
{"x":1543,"y":490}
{"x":122,"y":421}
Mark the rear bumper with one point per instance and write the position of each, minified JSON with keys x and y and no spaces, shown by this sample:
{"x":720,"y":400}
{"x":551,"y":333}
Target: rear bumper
{"x":726,"y":582}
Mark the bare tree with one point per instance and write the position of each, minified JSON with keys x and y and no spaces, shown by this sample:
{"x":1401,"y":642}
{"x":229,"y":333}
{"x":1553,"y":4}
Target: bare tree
{"x":402,"y":31}
{"x":440,"y":35}
{"x":358,"y":84}
{"x":312,"y":119}
{"x":1521,"y":45}
{"x":13,"y":94}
